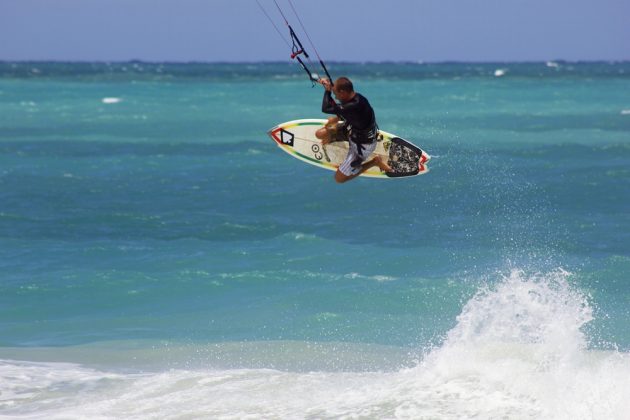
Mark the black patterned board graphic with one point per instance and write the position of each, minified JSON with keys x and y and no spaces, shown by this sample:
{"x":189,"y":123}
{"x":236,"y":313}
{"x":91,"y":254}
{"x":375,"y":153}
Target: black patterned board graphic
{"x":404,"y":158}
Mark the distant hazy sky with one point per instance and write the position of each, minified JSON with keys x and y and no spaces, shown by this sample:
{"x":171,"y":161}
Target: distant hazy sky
{"x":353,"y":30}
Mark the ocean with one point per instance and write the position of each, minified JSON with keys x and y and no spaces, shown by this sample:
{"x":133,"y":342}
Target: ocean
{"x":160,"y":257}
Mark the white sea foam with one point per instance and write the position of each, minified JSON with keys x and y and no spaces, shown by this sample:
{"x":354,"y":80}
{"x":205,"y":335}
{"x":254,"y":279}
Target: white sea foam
{"x":111,"y":100}
{"x":378,"y":278}
{"x":298,"y":236}
{"x":625,"y":112}
{"x":517,"y":351}
{"x":500,"y":72}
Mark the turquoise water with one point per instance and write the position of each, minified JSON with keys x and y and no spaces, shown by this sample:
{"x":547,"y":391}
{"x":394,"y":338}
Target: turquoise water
{"x":160,"y":256}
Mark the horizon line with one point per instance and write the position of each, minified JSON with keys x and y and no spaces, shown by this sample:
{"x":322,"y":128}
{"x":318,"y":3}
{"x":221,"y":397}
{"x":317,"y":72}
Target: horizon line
{"x":417,"y":62}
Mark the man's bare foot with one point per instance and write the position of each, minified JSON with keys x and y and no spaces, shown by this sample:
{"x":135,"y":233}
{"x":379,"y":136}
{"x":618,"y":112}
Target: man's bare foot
{"x":382,"y":164}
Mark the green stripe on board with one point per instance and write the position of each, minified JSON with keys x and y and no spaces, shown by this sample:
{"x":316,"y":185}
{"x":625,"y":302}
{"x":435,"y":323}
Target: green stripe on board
{"x":319,"y":162}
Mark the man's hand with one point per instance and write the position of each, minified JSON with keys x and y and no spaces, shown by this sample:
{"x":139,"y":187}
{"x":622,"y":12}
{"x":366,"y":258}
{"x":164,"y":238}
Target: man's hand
{"x":326,"y":83}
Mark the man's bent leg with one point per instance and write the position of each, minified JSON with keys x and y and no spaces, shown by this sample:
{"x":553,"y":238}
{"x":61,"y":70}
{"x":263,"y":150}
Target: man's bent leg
{"x":340,"y":177}
{"x":322,"y":134}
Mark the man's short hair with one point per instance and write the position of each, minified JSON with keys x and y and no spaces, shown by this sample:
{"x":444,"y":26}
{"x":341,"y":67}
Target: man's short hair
{"x":343,"y":83}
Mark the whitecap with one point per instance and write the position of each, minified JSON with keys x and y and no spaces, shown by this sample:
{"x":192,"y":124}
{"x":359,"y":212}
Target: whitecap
{"x":519,"y":348}
{"x":500,"y":72}
{"x":378,"y":277}
{"x":382,"y":279}
{"x":625,"y":112}
{"x":111,"y":100}
{"x":552,"y":64}
{"x":300,"y":236}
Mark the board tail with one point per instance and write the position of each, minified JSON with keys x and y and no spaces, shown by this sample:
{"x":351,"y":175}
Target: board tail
{"x":406,"y":159}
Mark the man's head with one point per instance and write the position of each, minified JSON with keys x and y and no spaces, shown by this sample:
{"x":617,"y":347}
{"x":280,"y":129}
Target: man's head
{"x":343,"y":89}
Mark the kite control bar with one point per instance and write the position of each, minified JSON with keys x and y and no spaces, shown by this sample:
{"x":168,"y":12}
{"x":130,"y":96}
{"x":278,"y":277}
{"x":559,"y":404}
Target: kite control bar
{"x":297,"y":49}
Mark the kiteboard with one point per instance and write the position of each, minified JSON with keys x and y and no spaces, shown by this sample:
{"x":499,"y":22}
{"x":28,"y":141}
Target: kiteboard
{"x":297,"y":138}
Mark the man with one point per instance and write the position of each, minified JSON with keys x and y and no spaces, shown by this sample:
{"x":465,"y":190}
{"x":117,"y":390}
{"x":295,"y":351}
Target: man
{"x":358,"y":127}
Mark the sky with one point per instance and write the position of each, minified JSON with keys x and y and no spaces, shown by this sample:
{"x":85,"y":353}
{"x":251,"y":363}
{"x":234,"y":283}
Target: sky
{"x":342,"y":30}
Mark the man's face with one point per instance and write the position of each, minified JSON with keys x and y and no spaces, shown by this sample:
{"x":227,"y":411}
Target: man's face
{"x":341,"y":95}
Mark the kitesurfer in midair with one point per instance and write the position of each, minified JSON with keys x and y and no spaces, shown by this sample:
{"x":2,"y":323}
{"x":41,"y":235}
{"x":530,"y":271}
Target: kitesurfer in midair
{"x":354,"y":122}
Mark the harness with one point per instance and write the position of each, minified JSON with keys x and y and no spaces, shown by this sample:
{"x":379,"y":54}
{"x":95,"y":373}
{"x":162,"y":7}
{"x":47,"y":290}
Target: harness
{"x":360,"y":138}
{"x":365,"y":136}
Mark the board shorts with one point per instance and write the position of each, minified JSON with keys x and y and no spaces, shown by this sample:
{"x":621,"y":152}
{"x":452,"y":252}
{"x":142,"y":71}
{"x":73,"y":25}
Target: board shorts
{"x":352,"y":164}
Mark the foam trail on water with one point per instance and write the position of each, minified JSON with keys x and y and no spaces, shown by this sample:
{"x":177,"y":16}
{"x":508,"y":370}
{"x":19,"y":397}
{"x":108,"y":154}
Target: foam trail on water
{"x":517,"y":351}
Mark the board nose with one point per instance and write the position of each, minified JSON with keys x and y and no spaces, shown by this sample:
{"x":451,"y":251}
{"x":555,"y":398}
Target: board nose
{"x":273,"y":133}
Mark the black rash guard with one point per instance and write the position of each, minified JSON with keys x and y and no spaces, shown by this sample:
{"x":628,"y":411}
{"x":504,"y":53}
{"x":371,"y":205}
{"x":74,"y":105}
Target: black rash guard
{"x":357,"y":113}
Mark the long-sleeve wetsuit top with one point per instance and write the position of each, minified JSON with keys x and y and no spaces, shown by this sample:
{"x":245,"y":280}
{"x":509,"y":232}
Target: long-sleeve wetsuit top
{"x":357,"y":113}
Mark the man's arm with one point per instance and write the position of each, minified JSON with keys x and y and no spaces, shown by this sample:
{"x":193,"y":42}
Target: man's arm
{"x":329,"y":106}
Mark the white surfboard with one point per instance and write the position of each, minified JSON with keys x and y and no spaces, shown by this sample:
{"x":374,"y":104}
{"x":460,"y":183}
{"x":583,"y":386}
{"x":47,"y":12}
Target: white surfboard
{"x":297,"y":138}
